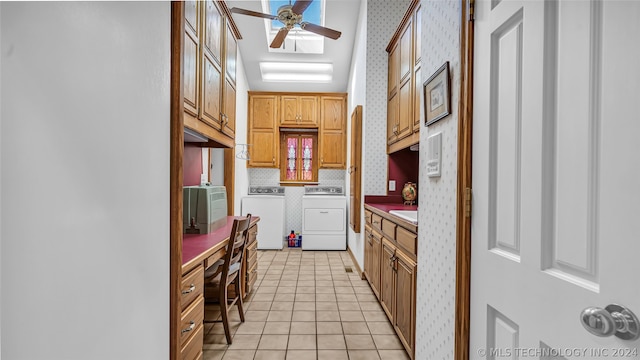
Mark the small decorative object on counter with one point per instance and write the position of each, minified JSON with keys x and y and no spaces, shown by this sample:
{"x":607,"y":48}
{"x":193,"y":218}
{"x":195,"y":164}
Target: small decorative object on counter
{"x":294,"y":239}
{"x":409,"y":193}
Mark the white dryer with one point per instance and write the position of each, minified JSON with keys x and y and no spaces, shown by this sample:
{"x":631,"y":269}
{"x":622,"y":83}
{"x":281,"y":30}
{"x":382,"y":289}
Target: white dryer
{"x":324,"y":218}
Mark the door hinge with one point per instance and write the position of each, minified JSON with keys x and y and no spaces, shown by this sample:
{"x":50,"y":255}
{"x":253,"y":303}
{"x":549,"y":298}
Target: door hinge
{"x":472,"y":6}
{"x":467,"y":202}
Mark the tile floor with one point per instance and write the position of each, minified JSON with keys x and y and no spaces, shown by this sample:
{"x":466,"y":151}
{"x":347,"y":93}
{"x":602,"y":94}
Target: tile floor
{"x":306,"y":306}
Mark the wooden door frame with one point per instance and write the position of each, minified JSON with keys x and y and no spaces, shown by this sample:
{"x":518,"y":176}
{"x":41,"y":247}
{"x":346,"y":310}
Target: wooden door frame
{"x":463,"y":199}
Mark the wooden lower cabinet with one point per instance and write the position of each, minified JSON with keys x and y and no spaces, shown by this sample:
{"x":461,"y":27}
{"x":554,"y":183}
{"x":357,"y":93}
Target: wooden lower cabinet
{"x":191,"y":327}
{"x":390,"y":267}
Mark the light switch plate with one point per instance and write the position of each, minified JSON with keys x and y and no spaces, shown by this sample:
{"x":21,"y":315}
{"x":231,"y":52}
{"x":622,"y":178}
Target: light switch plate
{"x":392,"y":185}
{"x":434,"y":155}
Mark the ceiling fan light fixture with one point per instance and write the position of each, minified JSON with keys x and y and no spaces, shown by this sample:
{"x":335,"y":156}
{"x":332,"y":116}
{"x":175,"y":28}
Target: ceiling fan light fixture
{"x":296,"y":72}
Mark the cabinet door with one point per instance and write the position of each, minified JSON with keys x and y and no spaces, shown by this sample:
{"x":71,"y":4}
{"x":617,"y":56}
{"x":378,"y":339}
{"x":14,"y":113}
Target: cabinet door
{"x":288,"y":110}
{"x":263,"y":131}
{"x":393,"y":71}
{"x":231,"y":49}
{"x":376,"y":264}
{"x":418,"y":103}
{"x":229,"y":110}
{"x":387,"y":278}
{"x":210,"y":111}
{"x":405,"y":300}
{"x":212,"y":41}
{"x":190,"y":71}
{"x":406,"y":48}
{"x":308,"y":113}
{"x":392,"y":119}
{"x":333,"y":134}
{"x":368,"y":247}
{"x":405,"y":111}
{"x":355,"y":170}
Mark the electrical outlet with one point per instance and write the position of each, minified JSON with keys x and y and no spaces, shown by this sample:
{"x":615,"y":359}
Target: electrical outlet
{"x":392,"y":185}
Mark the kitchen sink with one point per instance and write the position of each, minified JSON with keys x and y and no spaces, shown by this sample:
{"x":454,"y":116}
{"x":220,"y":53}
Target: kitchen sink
{"x":409,"y":215}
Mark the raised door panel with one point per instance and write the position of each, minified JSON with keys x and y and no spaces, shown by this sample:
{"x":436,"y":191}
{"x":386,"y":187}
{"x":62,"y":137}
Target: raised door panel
{"x":333,"y":140}
{"x":263,"y":112}
{"x":191,"y":16}
{"x":406,"y":59}
{"x":190,"y":74}
{"x":264,"y":148}
{"x":288,"y":110}
{"x":368,"y":247}
{"x":376,"y":256}
{"x":229,"y":122}
{"x":418,"y":104}
{"x":393,"y":71}
{"x":210,"y":111}
{"x":333,"y":154}
{"x":332,"y":114}
{"x":387,"y":279}
{"x":405,"y":300}
{"x":212,"y":41}
{"x":392,"y":119}
{"x":231,"y":55}
{"x":405,"y":113}
{"x":417,"y":36}
{"x":308,"y":114}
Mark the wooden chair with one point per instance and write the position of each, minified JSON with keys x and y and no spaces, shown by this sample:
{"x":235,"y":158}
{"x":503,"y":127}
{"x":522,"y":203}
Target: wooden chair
{"x":227,"y":271}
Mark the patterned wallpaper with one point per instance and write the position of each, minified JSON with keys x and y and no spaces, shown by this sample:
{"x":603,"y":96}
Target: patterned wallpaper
{"x":437,"y":242}
{"x":293,"y":194}
{"x":383,"y":16}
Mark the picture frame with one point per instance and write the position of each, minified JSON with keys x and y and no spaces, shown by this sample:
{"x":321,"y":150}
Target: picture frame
{"x":437,"y":95}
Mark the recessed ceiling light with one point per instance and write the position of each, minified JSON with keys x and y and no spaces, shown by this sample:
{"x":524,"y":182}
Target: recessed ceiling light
{"x":296,"y":72}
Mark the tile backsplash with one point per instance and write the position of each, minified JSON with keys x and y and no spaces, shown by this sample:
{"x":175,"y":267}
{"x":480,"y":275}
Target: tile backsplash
{"x":293,"y":194}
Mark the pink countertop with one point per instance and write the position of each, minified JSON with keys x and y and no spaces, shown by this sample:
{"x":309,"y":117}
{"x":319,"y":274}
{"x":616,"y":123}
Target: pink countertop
{"x":194,"y":245}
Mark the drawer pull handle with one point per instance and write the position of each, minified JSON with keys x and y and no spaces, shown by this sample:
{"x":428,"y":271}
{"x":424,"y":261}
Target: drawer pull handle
{"x":191,"y":288}
{"x":324,"y":212}
{"x":191,"y":326}
{"x":376,"y":222}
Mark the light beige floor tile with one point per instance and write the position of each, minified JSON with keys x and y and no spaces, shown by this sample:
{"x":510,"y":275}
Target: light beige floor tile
{"x":212,"y":354}
{"x":333,"y":355}
{"x":339,"y":283}
{"x":286,"y":290}
{"x":363,"y":355}
{"x":360,"y":342}
{"x":346,"y":297}
{"x":284,"y":297}
{"x":250,"y":327}
{"x":324,"y":278}
{"x":270,"y":355}
{"x":273,"y":342}
{"x":304,"y":315}
{"x":362,"y":290}
{"x":262,"y":297}
{"x":301,"y":355}
{"x":325,"y":297}
{"x":266,"y":290}
{"x":380,"y":327}
{"x":302,"y":342}
{"x":288,"y":283}
{"x":320,"y":283}
{"x":393,"y":355}
{"x":375,"y":315}
{"x":387,"y":342}
{"x":329,"y":327}
{"x":238,"y":354}
{"x":355,"y":328}
{"x":305,"y":289}
{"x":269,"y":283}
{"x":351,"y":316}
{"x":289,"y":277}
{"x":369,"y":305}
{"x":305,"y":278}
{"x":277,"y":327}
{"x":217,"y":328}
{"x":215,"y":342}
{"x":304,"y":305}
{"x":327,"y":305}
{"x":366,"y":297}
{"x":244,"y":342}
{"x":349,"y":306}
{"x":325,"y":290}
{"x":303,"y":327}
{"x":282,"y":305}
{"x":258,"y":305}
{"x":344,"y":290}
{"x":334,"y":342}
{"x":327,"y":315}
{"x":279,"y":315}
{"x":256,"y":315}
{"x":306,"y":297}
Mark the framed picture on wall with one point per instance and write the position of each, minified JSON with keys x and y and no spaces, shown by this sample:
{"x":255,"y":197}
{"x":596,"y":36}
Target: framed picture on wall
{"x":437,"y":98}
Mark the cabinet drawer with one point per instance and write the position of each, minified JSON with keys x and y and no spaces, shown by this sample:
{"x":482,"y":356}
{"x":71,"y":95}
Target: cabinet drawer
{"x":252,"y":277}
{"x":407,"y":239}
{"x":367,"y":216}
{"x":213,"y":258}
{"x":192,"y":286}
{"x":389,"y":228}
{"x":252,"y":259}
{"x":191,"y":319}
{"x":376,"y":222}
{"x":253,"y":234}
{"x":192,"y":350}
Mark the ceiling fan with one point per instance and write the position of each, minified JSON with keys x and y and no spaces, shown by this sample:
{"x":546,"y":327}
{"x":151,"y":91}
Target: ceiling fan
{"x":289,"y":16}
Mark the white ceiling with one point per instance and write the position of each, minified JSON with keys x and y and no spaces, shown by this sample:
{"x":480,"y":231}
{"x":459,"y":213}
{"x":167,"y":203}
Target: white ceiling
{"x":341,"y":15}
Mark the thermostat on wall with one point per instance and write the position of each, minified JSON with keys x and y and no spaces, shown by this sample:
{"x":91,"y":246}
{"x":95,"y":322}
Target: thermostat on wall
{"x":434,"y":154}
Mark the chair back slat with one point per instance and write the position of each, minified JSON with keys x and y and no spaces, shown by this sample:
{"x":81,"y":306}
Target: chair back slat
{"x":236,"y":245}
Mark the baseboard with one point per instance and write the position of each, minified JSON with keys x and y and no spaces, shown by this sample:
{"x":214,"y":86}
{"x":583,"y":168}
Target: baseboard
{"x":355,"y":263}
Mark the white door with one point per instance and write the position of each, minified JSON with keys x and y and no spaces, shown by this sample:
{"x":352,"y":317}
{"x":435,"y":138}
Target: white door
{"x":556,"y":177}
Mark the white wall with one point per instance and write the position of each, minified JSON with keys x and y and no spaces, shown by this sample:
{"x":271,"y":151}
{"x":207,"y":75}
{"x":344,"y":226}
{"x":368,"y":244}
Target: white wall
{"x":357,"y":90}
{"x":85,"y":180}
{"x":242,"y":108}
{"x":437,"y":239}
{"x":0,"y":190}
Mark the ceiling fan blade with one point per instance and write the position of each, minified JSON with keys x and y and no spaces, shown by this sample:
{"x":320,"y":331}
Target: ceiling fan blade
{"x":300,"y":6}
{"x":253,"y":13}
{"x":321,"y":30}
{"x":279,"y":39}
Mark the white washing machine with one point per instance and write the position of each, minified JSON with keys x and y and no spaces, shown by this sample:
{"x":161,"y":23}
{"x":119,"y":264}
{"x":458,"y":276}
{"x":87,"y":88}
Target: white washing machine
{"x":324,"y":218}
{"x":268,"y":203}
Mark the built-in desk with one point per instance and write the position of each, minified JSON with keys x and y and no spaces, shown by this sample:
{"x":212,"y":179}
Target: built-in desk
{"x":198,"y":253}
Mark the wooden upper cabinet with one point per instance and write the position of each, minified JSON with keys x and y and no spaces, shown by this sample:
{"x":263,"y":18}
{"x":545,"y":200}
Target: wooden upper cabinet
{"x":212,"y":41}
{"x":229,"y":110}
{"x":231,"y":51}
{"x":263,"y":131}
{"x":211,"y":93}
{"x":417,"y":25}
{"x":393,"y":72}
{"x":191,"y":62}
{"x":392,"y":119}
{"x":299,"y":110}
{"x":405,"y":111}
{"x":406,"y":52}
{"x":333,"y":132}
{"x":418,"y":102}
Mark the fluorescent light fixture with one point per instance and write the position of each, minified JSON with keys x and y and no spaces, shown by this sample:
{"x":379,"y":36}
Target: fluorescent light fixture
{"x":296,"y":72}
